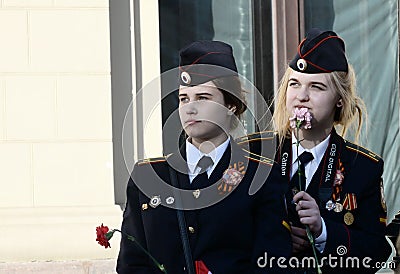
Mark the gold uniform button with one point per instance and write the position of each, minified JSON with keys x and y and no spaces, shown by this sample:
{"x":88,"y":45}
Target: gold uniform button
{"x":191,"y":229}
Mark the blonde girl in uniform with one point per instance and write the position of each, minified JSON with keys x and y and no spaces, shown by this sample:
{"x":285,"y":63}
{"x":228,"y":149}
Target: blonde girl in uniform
{"x":334,"y":186}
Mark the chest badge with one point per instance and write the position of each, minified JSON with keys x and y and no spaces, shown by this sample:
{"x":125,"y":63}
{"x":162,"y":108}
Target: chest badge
{"x":155,"y":201}
{"x":348,"y":218}
{"x":338,"y":207}
{"x":330,"y":205}
{"x":170,"y":200}
{"x":196,"y":193}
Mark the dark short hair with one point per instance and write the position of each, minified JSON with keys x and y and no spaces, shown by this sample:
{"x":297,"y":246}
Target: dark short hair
{"x":234,"y":95}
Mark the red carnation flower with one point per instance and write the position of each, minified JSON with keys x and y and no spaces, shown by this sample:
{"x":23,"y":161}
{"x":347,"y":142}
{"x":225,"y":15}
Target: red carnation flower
{"x":102,"y":236}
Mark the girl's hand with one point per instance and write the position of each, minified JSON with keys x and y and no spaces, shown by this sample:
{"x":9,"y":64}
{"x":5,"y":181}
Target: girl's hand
{"x":299,"y":239}
{"x":308,"y":211}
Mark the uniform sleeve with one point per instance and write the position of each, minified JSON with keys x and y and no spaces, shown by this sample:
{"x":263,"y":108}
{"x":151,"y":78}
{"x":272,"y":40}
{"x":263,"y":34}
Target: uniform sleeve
{"x":366,"y":236}
{"x":272,"y":234}
{"x":130,"y":258}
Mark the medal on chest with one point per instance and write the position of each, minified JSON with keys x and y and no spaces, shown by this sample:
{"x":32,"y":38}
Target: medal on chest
{"x":231,"y":178}
{"x":334,"y":201}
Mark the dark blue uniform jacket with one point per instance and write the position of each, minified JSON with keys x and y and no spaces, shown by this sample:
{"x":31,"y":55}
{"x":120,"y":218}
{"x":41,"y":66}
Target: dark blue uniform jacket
{"x":363,"y":238}
{"x":229,"y":235}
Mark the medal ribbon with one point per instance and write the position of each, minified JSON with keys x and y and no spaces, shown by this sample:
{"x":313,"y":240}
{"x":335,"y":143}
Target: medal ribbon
{"x":337,"y":185}
{"x":350,"y":201}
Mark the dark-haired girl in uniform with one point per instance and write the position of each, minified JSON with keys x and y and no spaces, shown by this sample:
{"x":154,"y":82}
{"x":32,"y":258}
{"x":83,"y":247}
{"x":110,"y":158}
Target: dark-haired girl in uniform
{"x":342,"y":202}
{"x":192,"y":209}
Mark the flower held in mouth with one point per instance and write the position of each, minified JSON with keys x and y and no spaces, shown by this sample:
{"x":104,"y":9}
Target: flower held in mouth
{"x":301,"y":118}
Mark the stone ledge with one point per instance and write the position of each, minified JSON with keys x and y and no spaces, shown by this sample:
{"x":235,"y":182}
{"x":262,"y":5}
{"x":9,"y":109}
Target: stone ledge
{"x":61,"y":267}
{"x":56,"y":234}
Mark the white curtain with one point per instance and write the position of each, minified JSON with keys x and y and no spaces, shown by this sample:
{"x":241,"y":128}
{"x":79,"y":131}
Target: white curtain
{"x":370,"y":29}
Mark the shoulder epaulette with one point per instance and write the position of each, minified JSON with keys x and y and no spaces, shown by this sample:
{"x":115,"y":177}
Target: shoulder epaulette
{"x":258,"y":158}
{"x":152,"y":160}
{"x":262,"y":160}
{"x":362,"y":151}
{"x":257,"y":136}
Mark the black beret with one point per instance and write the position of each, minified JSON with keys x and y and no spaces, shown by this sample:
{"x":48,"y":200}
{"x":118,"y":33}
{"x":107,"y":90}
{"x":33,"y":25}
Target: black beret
{"x":203,"y":61}
{"x":320,"y":52}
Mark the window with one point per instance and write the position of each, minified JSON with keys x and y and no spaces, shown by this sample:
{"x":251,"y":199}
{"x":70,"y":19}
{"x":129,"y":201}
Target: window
{"x":234,"y":22}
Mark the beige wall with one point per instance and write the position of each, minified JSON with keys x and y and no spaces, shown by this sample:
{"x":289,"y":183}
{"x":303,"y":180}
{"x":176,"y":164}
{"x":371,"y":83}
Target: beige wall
{"x":56,"y":167}
{"x":148,"y":53}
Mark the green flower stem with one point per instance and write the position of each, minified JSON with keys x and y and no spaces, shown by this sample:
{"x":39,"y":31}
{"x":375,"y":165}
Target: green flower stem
{"x":298,"y":125}
{"x":311,"y":239}
{"x":309,"y":234}
{"x":131,"y":238}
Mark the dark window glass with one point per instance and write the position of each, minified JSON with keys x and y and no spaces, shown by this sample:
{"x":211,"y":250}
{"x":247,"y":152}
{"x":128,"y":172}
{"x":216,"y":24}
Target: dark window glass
{"x":244,"y":24}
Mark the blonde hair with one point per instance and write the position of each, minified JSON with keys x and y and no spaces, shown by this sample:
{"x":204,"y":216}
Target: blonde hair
{"x":353,"y":106}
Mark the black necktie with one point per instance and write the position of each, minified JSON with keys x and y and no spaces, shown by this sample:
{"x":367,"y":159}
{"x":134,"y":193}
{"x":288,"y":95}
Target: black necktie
{"x":297,"y":180}
{"x":204,"y":163}
{"x":294,"y":187}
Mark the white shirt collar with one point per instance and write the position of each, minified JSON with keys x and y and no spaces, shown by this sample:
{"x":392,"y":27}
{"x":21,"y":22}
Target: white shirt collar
{"x":318,"y":152}
{"x":193,"y":155}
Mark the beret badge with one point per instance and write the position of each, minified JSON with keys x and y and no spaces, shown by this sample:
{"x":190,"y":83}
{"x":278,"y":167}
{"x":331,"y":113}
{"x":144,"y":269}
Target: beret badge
{"x":324,"y":52}
{"x":203,"y":61}
{"x":185,"y":77}
{"x":302,"y":64}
